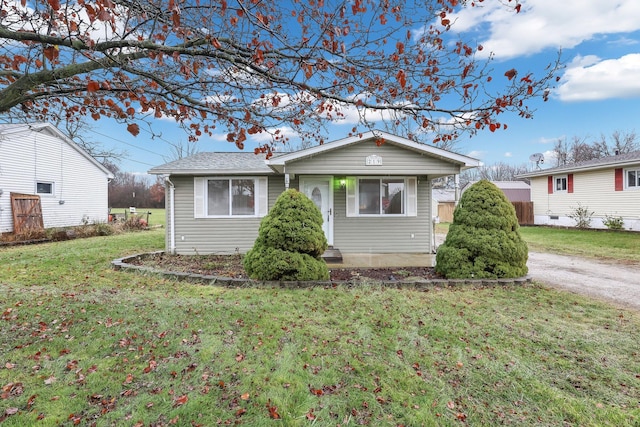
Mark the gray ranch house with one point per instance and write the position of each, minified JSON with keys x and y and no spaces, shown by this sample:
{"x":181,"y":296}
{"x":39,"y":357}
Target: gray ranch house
{"x":374,"y":192}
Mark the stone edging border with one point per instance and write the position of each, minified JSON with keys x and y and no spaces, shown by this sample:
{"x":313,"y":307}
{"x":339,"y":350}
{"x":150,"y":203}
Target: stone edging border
{"x":124,"y":263}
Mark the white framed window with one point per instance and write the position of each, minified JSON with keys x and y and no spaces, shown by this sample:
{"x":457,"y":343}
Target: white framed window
{"x":381,"y":196}
{"x":230,"y":197}
{"x":560,"y":184}
{"x":44,"y":187}
{"x":632,"y":178}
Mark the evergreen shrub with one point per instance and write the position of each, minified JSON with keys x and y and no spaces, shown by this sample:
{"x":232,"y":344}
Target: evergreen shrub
{"x":290,"y":242}
{"x":484,"y":239}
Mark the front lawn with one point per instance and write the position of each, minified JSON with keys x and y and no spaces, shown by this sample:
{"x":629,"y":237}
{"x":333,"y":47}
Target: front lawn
{"x":83,"y":344}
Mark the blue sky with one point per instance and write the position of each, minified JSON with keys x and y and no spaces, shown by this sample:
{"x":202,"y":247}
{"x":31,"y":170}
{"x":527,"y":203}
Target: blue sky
{"x":599,"y":90}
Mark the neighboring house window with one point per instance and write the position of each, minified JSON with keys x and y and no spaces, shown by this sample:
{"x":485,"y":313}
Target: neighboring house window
{"x":633,"y":178}
{"x":561,"y":183}
{"x":230,"y":197}
{"x":44,"y":187}
{"x":381,"y":196}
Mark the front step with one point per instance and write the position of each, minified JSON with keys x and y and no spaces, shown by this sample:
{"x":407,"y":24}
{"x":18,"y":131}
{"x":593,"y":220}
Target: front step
{"x":332,"y":256}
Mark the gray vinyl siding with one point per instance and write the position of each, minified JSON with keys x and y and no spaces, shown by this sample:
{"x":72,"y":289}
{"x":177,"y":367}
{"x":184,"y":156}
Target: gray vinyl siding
{"x":213,"y":235}
{"x":384,"y":234}
{"x":80,"y":187}
{"x":350,"y":160}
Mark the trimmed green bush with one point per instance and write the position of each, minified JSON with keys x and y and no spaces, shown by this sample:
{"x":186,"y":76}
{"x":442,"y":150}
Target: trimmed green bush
{"x":290,"y":242}
{"x":484,"y":239}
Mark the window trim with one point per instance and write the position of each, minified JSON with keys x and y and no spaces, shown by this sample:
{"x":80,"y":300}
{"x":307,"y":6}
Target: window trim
{"x":626,"y":171}
{"x":201,"y":196}
{"x":50,"y":193}
{"x":409,"y":196}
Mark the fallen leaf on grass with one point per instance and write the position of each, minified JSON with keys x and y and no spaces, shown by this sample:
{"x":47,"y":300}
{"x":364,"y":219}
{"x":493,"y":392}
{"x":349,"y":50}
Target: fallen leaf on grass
{"x":181,"y":400}
{"x":273,"y":411}
{"x":11,"y":411}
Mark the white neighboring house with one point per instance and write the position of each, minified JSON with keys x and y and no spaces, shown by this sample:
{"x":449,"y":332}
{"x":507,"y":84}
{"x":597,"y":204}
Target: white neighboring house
{"x":40,"y":160}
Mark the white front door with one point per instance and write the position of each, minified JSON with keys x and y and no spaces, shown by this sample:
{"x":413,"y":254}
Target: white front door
{"x":320,"y":191}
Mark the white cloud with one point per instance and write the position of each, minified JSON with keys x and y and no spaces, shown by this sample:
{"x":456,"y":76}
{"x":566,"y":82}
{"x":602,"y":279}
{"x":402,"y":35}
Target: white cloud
{"x":552,"y":140}
{"x":508,"y":154}
{"x":545,"y":24}
{"x":477,"y":154}
{"x":611,"y":78}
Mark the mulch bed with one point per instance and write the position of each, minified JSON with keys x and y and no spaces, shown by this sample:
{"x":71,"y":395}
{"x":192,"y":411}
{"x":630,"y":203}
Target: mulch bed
{"x":231,"y":266}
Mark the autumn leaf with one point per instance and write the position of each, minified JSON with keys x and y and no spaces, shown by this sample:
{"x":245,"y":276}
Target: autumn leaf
{"x":245,"y":396}
{"x":273,"y":411}
{"x":93,"y":86}
{"x":402,"y":78}
{"x":133,"y":129}
{"x":128,"y":379}
{"x":181,"y":400}
{"x":511,"y":73}
{"x":55,"y":4}
{"x":11,"y":411}
{"x":51,"y":53}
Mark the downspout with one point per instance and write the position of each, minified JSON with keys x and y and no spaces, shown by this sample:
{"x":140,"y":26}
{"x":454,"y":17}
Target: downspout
{"x":172,"y":222}
{"x":456,"y":186}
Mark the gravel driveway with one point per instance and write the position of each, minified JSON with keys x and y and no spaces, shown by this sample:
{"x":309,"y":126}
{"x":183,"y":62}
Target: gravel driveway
{"x":611,"y":281}
{"x":607,"y":280}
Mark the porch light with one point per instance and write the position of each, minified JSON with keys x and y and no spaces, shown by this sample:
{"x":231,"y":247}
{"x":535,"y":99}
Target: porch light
{"x":343,"y":184}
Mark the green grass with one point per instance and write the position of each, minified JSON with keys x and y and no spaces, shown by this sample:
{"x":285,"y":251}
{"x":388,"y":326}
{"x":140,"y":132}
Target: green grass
{"x":617,"y":245}
{"x":82,"y":343}
{"x":157,"y":216}
{"x":620,"y":245}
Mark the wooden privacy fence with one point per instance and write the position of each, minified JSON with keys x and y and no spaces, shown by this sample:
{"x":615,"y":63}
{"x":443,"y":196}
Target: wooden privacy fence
{"x":524,"y":212}
{"x":27,"y":213}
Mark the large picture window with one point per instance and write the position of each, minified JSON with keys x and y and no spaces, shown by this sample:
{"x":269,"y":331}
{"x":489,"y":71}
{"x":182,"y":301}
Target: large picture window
{"x":231,"y":197}
{"x":380,"y":196}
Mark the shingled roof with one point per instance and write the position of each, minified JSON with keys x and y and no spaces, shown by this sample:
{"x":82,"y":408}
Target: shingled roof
{"x":620,"y":160}
{"x":236,"y":163}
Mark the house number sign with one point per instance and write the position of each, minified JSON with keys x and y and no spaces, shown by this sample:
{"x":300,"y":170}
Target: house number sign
{"x":373,"y":160}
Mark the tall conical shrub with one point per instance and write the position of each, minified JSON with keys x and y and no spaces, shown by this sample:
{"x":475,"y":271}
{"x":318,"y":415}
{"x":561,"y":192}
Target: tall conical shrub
{"x":290,"y":242}
{"x":484,"y":239}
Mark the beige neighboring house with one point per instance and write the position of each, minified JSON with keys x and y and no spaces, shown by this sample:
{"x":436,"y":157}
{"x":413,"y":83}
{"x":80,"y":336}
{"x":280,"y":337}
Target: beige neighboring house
{"x":607,"y":186}
{"x":374,"y":192}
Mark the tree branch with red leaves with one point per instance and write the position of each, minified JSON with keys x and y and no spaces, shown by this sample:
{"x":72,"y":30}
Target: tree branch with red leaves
{"x":245,"y":67}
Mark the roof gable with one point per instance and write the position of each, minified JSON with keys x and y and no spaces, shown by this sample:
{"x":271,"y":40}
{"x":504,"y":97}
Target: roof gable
{"x":232,"y":163}
{"x":278,"y":163}
{"x":8,"y":129}
{"x":248,"y":163}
